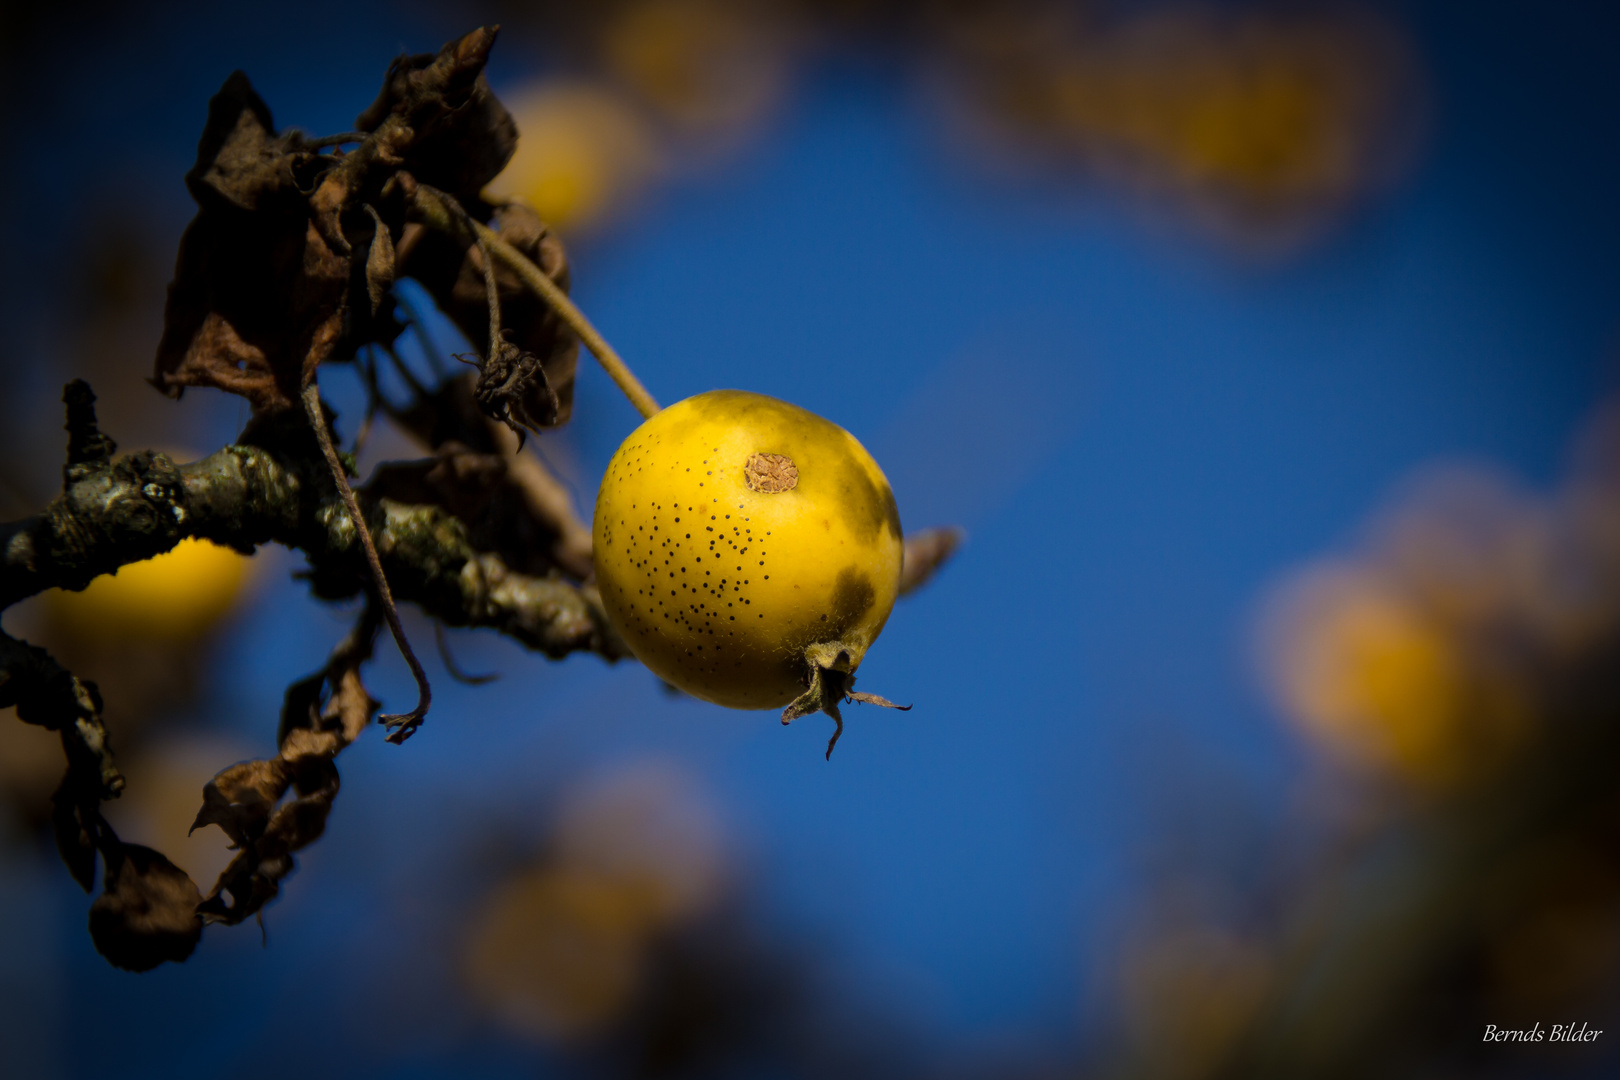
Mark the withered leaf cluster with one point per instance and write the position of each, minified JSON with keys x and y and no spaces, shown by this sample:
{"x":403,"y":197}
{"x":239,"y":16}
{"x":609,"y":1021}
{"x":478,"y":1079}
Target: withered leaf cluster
{"x":292,"y":257}
{"x":272,"y":807}
{"x":291,"y":263}
{"x":147,"y":911}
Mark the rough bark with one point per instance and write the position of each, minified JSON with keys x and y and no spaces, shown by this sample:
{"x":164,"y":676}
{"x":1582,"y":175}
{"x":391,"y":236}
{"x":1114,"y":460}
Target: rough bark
{"x":247,"y":495}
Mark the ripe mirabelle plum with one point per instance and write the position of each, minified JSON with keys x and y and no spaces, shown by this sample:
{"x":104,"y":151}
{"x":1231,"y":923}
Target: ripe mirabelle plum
{"x":746,"y":549}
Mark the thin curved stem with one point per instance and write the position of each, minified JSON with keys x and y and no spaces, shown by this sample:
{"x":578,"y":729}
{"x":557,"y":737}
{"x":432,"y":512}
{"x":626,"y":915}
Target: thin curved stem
{"x":442,"y":211}
{"x":401,"y":725}
{"x":552,"y":293}
{"x":454,"y":668}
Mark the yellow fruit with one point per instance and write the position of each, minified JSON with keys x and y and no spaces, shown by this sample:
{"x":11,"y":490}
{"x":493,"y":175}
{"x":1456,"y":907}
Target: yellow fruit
{"x":176,"y":596}
{"x":582,"y":154}
{"x":745,"y":548}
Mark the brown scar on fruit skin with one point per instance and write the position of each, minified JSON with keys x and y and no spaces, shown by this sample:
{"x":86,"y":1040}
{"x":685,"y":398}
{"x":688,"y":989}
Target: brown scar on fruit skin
{"x":770,"y":474}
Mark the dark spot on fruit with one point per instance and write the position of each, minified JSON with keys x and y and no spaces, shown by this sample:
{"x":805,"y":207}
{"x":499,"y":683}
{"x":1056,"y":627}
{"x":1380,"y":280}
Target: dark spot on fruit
{"x":853,"y":597}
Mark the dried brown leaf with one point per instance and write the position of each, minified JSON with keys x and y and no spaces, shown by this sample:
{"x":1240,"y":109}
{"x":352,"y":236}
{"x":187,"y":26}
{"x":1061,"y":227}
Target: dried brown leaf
{"x":250,"y":881}
{"x":327,"y":711}
{"x":379,"y":263}
{"x":147,"y":911}
{"x":254,"y":877}
{"x":301,"y":723}
{"x":281,"y":270}
{"x":257,"y":302}
{"x":460,"y":480}
{"x":259,"y":291}
{"x":302,"y":819}
{"x":241,"y":164}
{"x":461,"y":135}
{"x":510,"y":502}
{"x":351,"y":707}
{"x":241,"y":799}
{"x":925,"y":553}
{"x":449,"y":415}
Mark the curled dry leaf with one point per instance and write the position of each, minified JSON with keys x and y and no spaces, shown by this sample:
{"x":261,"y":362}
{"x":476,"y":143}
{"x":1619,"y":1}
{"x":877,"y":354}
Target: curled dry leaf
{"x":254,"y":877}
{"x":461,"y":135}
{"x":379,"y":262}
{"x":321,"y":715}
{"x":493,"y":497}
{"x":326,"y":712}
{"x":45,"y":693}
{"x":241,"y":799}
{"x":147,"y":911}
{"x":74,"y":820}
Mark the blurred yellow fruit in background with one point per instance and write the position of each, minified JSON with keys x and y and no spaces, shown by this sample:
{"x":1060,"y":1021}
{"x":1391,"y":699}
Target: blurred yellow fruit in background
{"x":583,"y":153}
{"x":710,"y":68}
{"x":1264,"y":125}
{"x":1366,"y":673}
{"x":178,"y":595}
{"x":1271,"y":111}
{"x":1380,"y":679}
{"x":649,"y":826}
{"x":559,"y":950}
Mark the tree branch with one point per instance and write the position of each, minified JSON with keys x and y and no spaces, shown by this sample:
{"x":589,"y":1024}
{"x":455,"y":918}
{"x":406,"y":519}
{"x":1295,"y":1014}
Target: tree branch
{"x":247,"y":495}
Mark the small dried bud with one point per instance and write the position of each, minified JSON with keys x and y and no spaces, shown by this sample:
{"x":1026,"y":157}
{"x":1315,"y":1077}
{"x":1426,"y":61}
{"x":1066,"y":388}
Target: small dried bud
{"x":512,"y":389}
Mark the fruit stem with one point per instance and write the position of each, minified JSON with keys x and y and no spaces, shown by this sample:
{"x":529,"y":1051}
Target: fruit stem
{"x":441,"y":211}
{"x":552,"y":293}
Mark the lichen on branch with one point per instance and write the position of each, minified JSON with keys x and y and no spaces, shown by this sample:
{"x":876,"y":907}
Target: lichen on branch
{"x":266,"y":491}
